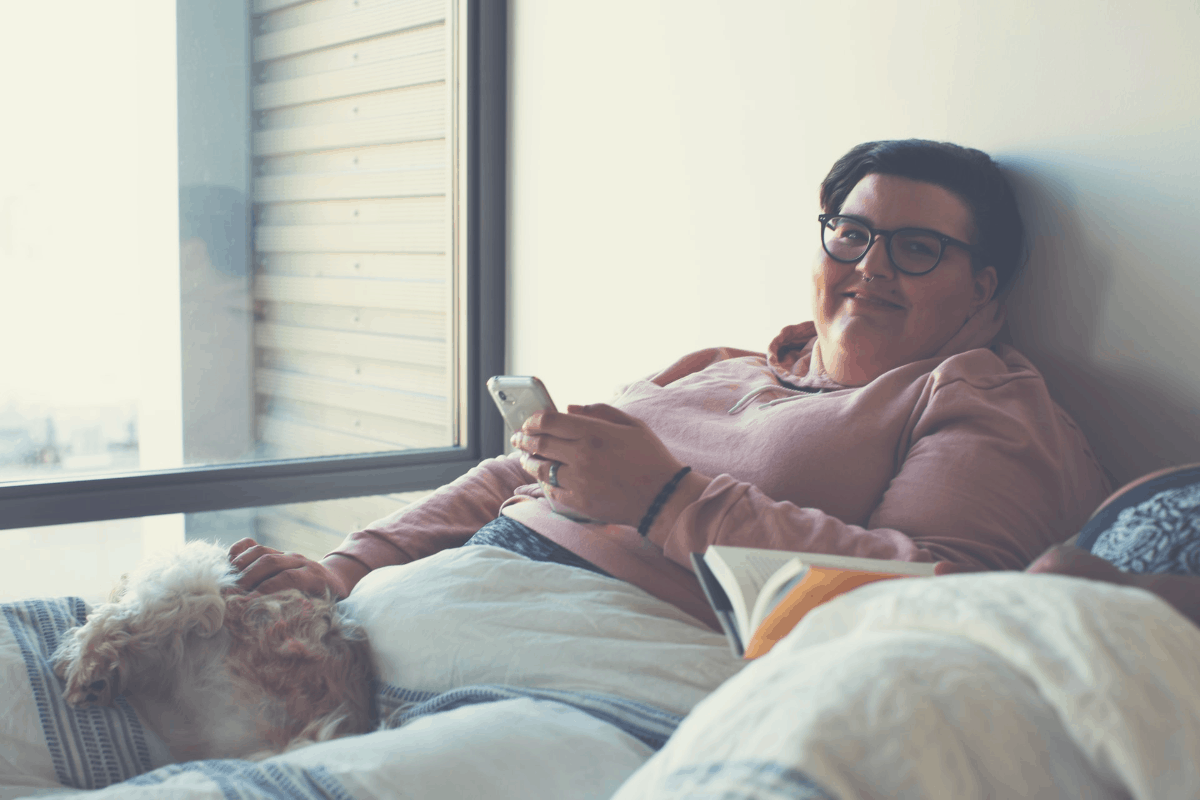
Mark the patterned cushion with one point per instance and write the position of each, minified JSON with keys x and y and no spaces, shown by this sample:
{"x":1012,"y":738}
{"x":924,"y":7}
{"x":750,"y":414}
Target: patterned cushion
{"x":1151,"y":525}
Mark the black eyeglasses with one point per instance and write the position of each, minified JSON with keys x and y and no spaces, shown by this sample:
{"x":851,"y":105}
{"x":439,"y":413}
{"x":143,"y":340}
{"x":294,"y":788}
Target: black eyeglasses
{"x":913,"y":251}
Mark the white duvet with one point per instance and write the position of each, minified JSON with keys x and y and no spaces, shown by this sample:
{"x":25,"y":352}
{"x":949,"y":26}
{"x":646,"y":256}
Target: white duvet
{"x":972,"y":686}
{"x":1001,"y":685}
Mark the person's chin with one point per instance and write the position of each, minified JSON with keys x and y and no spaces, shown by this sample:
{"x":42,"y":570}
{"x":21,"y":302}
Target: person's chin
{"x":851,"y":322}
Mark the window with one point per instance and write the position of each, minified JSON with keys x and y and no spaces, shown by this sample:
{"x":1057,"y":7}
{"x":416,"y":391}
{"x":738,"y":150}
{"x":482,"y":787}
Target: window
{"x":252,"y":254}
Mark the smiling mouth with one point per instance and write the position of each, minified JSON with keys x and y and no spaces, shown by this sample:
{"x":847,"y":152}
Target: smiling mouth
{"x":871,"y":300}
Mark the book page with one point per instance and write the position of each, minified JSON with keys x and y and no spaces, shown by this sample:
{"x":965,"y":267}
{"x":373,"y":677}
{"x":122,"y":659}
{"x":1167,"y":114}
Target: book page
{"x":774,"y":588}
{"x":769,"y":602}
{"x":743,"y":571}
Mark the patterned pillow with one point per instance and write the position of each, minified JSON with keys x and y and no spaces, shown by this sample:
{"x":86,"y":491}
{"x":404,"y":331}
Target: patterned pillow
{"x":1150,"y":525}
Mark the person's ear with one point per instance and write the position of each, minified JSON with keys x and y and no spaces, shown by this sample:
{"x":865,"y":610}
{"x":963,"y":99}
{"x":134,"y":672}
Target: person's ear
{"x":985,"y":281}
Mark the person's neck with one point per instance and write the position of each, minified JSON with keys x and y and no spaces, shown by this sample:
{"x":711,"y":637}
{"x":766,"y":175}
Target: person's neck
{"x":850,"y":369}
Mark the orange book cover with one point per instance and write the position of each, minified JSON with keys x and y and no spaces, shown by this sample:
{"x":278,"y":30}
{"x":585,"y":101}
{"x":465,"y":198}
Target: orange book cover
{"x":819,"y":584}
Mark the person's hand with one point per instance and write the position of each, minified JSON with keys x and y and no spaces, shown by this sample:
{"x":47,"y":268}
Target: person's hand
{"x":264,"y":569}
{"x":1079,"y":563}
{"x":1061,"y":559}
{"x":611,"y":466}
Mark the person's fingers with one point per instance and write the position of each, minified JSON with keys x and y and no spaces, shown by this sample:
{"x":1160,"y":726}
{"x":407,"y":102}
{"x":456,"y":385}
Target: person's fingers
{"x":544,"y":422}
{"x":603,"y":411}
{"x":550,"y":448}
{"x":268,"y":566}
{"x":536,"y":466}
{"x":306,"y":579}
{"x":582,"y":421}
{"x":240,"y":546}
{"x":249,"y":555}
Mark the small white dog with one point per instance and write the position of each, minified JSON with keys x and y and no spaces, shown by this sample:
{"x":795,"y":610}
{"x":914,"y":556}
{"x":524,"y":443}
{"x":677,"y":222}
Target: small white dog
{"x":217,"y":672}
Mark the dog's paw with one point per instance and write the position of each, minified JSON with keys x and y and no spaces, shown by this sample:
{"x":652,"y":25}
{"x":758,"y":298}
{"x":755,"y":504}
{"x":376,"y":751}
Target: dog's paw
{"x":90,"y":681}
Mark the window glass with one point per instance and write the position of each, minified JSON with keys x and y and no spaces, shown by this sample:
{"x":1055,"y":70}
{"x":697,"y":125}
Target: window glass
{"x":87,"y":559}
{"x":227,"y":234}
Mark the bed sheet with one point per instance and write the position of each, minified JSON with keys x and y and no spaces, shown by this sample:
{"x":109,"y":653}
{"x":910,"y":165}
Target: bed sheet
{"x":499,"y":677}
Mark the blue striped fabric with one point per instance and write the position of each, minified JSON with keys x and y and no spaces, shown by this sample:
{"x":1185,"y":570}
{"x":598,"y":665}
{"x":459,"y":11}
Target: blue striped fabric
{"x":247,"y":780}
{"x":740,"y":780}
{"x":90,"y":747}
{"x":650,"y":725}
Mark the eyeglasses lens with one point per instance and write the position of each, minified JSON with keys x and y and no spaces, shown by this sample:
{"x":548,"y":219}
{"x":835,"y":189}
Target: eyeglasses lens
{"x":911,"y":250}
{"x":915,"y":252}
{"x":845,"y":239}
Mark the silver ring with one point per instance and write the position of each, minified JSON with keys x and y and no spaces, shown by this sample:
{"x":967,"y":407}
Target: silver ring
{"x":868,"y":278}
{"x":552,"y":475}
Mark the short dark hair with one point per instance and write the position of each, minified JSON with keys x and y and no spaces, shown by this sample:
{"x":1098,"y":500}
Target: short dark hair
{"x":970,"y":174}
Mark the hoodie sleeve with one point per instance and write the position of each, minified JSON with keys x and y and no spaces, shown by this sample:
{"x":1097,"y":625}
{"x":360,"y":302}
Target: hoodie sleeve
{"x":991,"y":473}
{"x":444,"y":519}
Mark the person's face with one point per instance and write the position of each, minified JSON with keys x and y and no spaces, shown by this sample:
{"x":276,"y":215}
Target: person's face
{"x":867,"y":328}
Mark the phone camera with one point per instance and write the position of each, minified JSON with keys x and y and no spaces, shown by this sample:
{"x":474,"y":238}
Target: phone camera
{"x":502,"y":395}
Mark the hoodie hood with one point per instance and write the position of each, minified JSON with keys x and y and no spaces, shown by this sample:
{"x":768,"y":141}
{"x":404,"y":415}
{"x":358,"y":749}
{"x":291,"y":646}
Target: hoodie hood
{"x":795,"y":355}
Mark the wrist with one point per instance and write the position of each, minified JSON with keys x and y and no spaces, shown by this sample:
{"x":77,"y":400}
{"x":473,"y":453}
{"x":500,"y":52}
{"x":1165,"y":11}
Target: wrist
{"x":344,"y":573}
{"x":687,"y":492}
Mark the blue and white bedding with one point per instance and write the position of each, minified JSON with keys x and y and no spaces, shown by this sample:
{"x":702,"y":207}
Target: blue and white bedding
{"x":525,"y":679}
{"x":970,"y":686}
{"x":499,"y":677}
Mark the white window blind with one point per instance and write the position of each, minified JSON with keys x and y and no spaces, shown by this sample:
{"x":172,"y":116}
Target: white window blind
{"x":353,"y":194}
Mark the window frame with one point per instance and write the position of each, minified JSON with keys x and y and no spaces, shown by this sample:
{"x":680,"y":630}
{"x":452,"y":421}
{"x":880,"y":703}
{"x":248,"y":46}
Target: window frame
{"x":28,"y":504}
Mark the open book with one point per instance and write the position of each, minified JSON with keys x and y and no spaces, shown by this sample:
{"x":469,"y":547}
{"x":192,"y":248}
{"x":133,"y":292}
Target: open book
{"x":759,"y":595}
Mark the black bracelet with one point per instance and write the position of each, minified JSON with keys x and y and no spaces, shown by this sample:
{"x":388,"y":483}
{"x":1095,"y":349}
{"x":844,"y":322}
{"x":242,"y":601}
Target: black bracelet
{"x":660,"y":501}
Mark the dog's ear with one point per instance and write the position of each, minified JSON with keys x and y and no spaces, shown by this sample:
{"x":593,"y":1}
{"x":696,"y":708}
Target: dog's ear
{"x":118,"y":591}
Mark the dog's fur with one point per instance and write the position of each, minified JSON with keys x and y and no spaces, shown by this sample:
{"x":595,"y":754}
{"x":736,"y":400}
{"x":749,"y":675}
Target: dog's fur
{"x":216,"y":672}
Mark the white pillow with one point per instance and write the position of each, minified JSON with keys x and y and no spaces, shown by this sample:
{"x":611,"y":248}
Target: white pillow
{"x":45,"y":743}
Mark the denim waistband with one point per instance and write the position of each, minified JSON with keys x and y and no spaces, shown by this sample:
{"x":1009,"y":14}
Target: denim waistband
{"x":517,"y":538}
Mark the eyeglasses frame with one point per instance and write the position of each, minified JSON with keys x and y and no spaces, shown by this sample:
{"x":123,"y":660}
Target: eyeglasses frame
{"x":973,"y":250}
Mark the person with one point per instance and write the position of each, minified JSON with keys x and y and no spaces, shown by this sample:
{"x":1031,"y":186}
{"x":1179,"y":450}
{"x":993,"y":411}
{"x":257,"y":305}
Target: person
{"x":893,"y":425}
{"x":1145,"y":532}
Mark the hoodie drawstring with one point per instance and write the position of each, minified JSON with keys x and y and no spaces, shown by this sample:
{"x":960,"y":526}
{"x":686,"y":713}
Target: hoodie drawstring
{"x":745,"y":401}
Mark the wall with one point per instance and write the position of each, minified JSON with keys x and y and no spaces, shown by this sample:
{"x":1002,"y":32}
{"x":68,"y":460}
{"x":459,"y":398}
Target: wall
{"x":666,"y":156}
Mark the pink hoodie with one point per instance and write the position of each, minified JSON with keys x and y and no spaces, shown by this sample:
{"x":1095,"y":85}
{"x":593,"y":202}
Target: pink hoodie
{"x":962,"y":457}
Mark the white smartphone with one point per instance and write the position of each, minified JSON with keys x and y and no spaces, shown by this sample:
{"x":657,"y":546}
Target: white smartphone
{"x":518,"y":397}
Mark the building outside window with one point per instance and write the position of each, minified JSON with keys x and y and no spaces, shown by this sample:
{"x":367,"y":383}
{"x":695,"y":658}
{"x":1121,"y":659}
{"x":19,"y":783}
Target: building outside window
{"x":252,"y":259}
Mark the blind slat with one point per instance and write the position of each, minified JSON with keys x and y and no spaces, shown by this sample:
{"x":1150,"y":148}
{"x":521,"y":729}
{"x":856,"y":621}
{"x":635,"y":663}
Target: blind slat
{"x":381,"y":321}
{"x":397,"y":237}
{"x":332,"y":186}
{"x":361,"y":345}
{"x":372,"y":426}
{"x":356,"y":54}
{"x":351,"y":514}
{"x":324,"y":23}
{"x":353,"y":397}
{"x":405,"y":377}
{"x":404,"y":266}
{"x":397,"y":73}
{"x":358,"y":211}
{"x":356,"y":292}
{"x":384,"y":158}
{"x":390,"y":104}
{"x":417,"y":126}
{"x":289,"y":439}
